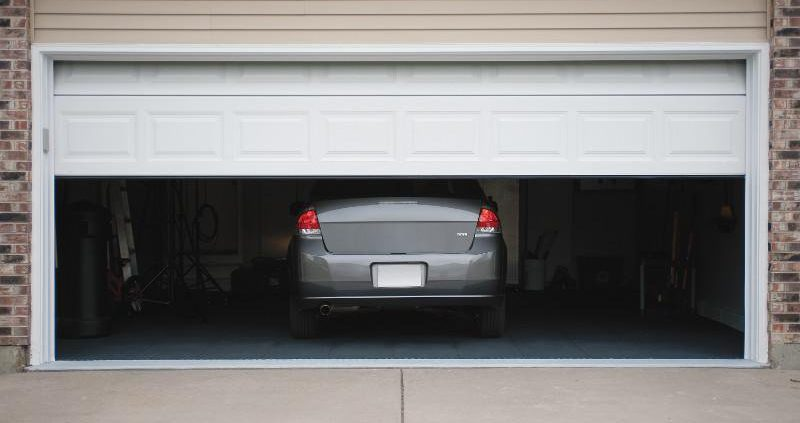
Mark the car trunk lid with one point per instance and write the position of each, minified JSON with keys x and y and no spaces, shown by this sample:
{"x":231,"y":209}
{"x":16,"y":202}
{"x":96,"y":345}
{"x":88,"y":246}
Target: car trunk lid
{"x":396,"y":225}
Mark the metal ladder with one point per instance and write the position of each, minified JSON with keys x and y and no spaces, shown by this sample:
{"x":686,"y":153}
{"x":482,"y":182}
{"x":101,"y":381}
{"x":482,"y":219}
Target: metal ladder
{"x":122,"y":228}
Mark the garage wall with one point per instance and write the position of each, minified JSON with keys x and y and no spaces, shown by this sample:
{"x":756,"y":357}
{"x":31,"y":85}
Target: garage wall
{"x":398,"y":21}
{"x":267,"y":224}
{"x":720,"y":289}
{"x":592,"y":220}
{"x":634,"y":220}
{"x":717,"y":252}
{"x":604,"y":225}
{"x":550,"y":206}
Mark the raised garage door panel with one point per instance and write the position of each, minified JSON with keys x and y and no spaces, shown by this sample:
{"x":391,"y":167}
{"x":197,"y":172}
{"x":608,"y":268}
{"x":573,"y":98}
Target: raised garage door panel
{"x":514,"y":78}
{"x":455,"y":132}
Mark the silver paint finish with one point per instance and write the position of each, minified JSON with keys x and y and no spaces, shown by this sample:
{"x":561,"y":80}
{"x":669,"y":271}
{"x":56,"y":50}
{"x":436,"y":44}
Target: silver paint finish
{"x":398,"y":225}
{"x":357,"y":233}
{"x":321,"y":273}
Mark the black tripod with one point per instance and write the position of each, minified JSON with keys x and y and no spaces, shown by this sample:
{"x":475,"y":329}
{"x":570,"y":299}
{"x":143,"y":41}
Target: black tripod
{"x":181,"y":262}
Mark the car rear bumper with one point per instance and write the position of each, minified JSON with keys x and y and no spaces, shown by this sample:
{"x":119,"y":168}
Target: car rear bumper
{"x":474,"y":278}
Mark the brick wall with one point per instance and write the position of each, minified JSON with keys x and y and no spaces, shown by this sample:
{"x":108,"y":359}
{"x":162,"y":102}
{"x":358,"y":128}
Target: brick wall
{"x":15,"y":165}
{"x":784,"y":284}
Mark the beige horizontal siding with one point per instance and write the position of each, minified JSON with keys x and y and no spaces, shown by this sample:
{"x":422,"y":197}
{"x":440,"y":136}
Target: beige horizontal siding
{"x":407,"y":22}
{"x":398,"y":21}
{"x":465,"y":36}
{"x":380,"y":7}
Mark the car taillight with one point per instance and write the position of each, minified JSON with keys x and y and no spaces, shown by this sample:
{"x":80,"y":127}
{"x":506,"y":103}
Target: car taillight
{"x":488,"y":221}
{"x":307,"y":223}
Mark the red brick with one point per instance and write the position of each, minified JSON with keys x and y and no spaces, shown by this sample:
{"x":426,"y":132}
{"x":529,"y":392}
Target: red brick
{"x":14,"y":300}
{"x":13,"y":340}
{"x":14,"y":290}
{"x":784,"y":159}
{"x":15,"y":187}
{"x":13,"y":321}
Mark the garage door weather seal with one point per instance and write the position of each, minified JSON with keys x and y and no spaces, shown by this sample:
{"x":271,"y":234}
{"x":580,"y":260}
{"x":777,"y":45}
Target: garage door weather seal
{"x":384,"y":364}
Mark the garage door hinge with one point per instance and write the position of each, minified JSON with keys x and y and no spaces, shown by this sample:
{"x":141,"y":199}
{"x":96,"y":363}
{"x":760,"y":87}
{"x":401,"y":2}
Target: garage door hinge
{"x":45,"y":140}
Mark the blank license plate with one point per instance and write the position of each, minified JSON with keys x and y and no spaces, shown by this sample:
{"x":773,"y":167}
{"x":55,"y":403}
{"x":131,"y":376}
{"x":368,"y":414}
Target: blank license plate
{"x":398,"y":275}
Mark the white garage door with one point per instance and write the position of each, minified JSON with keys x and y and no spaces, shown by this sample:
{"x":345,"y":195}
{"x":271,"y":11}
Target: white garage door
{"x":373,"y":119}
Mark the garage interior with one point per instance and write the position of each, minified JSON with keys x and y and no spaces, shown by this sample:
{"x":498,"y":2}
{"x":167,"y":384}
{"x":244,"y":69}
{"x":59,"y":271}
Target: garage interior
{"x":598,"y":268}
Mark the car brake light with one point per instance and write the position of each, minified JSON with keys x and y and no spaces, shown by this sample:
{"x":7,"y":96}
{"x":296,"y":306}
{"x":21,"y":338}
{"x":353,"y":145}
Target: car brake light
{"x":307,"y":223}
{"x":488,"y":221}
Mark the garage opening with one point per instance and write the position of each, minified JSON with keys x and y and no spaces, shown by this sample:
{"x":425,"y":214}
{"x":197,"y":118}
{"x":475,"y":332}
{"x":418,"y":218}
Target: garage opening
{"x":595,"y":268}
{"x":646,"y":263}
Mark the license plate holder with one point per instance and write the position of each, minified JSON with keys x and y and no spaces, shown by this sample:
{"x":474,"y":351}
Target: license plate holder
{"x":398,"y":275}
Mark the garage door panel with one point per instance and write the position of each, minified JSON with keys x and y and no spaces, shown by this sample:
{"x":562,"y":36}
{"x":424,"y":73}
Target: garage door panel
{"x":444,"y":135}
{"x":289,"y":139}
{"x":185,"y":137}
{"x":357,"y":136}
{"x":624,"y":134}
{"x":512,"y":140}
{"x":399,"y":135}
{"x":703,"y":134}
{"x":527,"y":78}
{"x":109,"y":136}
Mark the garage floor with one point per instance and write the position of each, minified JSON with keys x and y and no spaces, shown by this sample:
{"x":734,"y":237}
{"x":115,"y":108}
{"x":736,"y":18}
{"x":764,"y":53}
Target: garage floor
{"x":534,"y":332}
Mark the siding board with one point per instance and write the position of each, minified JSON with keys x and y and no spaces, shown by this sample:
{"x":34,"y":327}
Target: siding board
{"x":448,"y":36}
{"x":381,"y":7}
{"x":404,"y":22}
{"x":398,"y":21}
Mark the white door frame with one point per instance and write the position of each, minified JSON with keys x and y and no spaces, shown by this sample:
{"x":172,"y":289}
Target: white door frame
{"x":756,"y":55}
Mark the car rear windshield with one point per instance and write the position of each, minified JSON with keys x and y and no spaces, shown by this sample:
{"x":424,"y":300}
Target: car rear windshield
{"x":330,"y":189}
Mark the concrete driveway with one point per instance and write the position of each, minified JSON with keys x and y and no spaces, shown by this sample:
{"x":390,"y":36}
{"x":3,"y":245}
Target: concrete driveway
{"x":407,"y":396}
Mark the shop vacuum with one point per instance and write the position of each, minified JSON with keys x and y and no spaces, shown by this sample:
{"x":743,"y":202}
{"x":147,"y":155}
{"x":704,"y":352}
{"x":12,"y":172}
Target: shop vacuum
{"x":84,"y":305}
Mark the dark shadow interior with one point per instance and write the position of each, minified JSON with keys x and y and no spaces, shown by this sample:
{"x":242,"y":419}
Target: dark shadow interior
{"x":597,"y":268}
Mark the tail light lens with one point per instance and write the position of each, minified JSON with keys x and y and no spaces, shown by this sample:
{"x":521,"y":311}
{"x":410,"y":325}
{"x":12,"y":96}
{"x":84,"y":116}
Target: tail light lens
{"x":488,"y":221}
{"x":307,"y":223}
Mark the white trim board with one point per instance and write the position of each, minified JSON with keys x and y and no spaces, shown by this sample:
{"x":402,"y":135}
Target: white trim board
{"x":756,"y":55}
{"x":385,"y":364}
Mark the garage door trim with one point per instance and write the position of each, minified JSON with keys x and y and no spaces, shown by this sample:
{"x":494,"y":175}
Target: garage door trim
{"x":756,"y":56}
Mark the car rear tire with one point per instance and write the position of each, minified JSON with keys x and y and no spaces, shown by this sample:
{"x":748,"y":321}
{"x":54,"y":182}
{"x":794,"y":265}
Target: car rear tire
{"x":492,"y":321}
{"x":303,"y":324}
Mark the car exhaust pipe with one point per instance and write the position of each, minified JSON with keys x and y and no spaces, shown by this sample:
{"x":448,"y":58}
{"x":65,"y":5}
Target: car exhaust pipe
{"x":325,"y":310}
